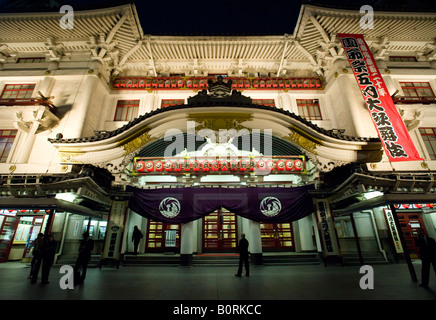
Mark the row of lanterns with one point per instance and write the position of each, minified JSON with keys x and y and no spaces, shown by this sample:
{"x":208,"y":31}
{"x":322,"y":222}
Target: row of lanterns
{"x":218,"y":165}
{"x":415,"y":206}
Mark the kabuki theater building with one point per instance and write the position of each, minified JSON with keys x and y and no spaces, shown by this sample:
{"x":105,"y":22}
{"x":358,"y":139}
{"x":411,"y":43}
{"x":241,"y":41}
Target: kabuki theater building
{"x":318,"y":145}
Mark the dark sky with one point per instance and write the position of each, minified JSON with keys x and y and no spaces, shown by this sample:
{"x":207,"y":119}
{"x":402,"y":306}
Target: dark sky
{"x":212,"y":17}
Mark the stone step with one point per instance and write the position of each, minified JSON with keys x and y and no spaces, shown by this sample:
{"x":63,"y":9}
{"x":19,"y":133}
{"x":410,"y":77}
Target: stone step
{"x":71,"y":260}
{"x":368,"y":258}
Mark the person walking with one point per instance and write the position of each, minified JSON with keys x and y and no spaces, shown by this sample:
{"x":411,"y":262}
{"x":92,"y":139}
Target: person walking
{"x":243,"y":256}
{"x":37,"y":255}
{"x":85,"y":248}
{"x":136,"y":238}
{"x":48,"y":254}
{"x":427,"y":254}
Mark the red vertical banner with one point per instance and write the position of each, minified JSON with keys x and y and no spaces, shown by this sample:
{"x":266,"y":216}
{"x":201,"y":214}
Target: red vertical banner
{"x":390,"y":127}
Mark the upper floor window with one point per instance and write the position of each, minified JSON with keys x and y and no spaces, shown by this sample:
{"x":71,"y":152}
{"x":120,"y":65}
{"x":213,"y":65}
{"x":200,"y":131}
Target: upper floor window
{"x":127,"y":110}
{"x":264,"y":102}
{"x":402,"y":59}
{"x":31,"y":60}
{"x":6,"y":140}
{"x":309,"y":109}
{"x":417,"y":89}
{"x":429,"y":137}
{"x":17,"y":91}
{"x":171,"y":102}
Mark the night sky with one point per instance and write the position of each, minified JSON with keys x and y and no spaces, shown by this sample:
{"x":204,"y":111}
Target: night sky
{"x":212,"y":17}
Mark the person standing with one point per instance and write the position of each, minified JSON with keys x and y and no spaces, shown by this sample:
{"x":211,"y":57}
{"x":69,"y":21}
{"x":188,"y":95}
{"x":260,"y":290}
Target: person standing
{"x":243,"y":256}
{"x":37,"y":255}
{"x":136,"y":238}
{"x":48,"y":254}
{"x":85,"y":248}
{"x":427,"y":254}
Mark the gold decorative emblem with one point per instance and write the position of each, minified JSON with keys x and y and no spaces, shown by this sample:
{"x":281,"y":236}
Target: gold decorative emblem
{"x":303,"y":142}
{"x":69,"y":157}
{"x":217,"y":121}
{"x":136,"y":143}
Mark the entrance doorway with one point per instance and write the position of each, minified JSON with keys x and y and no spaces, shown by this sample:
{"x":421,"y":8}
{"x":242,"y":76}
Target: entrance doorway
{"x":277,"y":237}
{"x":158,"y":237}
{"x":220,"y":232}
{"x":409,"y":224}
{"x":8,"y":225}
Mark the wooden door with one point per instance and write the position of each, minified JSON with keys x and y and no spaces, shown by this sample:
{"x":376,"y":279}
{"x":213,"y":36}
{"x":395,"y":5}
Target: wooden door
{"x":277,"y":236}
{"x":220,"y":232}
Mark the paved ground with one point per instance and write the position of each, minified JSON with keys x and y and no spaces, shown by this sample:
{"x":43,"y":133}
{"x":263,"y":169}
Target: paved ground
{"x":214,"y":284}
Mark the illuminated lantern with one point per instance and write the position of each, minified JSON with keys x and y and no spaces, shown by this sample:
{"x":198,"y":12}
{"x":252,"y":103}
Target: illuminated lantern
{"x":205,"y":165}
{"x":149,"y":166}
{"x":289,"y":165}
{"x":252,"y":164}
{"x":140,"y":166}
{"x":233,"y":165}
{"x":177,"y":166}
{"x":280,"y":165}
{"x":196,"y":165}
{"x":243,"y":165}
{"x":298,"y":165}
{"x":419,"y":206}
{"x":158,"y":166}
{"x":430,"y":205}
{"x":35,"y":211}
{"x":187,"y":165}
{"x":22,"y":211}
{"x":261,"y":165}
{"x":396,"y":206}
{"x":270,"y":165}
{"x":225,"y":165}
{"x":406,"y":206}
{"x":168,"y":166}
{"x":214,"y":165}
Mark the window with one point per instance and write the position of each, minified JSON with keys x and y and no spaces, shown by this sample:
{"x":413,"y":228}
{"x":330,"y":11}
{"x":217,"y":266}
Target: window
{"x":6,"y":140}
{"x":31,"y":60}
{"x":309,"y":109}
{"x":429,"y":137}
{"x":417,"y":89}
{"x":402,"y":59}
{"x":171,"y":102}
{"x":264,"y":102}
{"x":127,"y":110}
{"x":17,"y":91}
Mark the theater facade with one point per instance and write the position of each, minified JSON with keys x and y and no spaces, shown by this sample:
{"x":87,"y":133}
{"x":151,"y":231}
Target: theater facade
{"x":198,"y":139}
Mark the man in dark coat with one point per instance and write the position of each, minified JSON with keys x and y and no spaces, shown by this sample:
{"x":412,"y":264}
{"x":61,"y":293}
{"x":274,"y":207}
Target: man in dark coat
{"x":136,"y":238}
{"x":243,"y":256}
{"x":86,"y":246}
{"x":427,"y":254}
{"x":48,"y":254}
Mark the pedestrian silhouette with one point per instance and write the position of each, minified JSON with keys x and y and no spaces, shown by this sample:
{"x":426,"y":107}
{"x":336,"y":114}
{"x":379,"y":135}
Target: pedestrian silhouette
{"x":37,"y":254}
{"x":48,"y":254}
{"x":85,"y":248}
{"x":243,"y":256}
{"x":136,"y":238}
{"x":427,"y":254}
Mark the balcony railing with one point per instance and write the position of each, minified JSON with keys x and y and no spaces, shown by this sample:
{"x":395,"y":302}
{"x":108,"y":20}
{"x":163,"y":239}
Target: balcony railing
{"x":414,"y":100}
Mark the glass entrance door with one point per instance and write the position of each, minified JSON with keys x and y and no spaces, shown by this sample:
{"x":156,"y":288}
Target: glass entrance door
{"x":220,"y":232}
{"x":157,"y":234}
{"x":410,"y":223}
{"x":277,"y":236}
{"x":8,"y":225}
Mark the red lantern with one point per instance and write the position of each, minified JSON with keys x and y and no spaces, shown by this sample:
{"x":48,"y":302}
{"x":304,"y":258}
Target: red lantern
{"x":298,"y":165}
{"x":430,"y":205}
{"x":140,"y":166}
{"x":196,"y":165}
{"x":158,"y":166}
{"x":187,"y":165}
{"x":406,"y":206}
{"x":270,"y":165}
{"x":252,"y":164}
{"x":243,"y":165}
{"x":419,"y":206}
{"x":36,"y":211}
{"x":280,"y":165}
{"x":205,"y":165}
{"x":225,"y":165}
{"x":289,"y":165}
{"x":233,"y":165}
{"x":261,"y":165}
{"x":22,"y":211}
{"x":177,"y":166}
{"x":168,"y":166}
{"x":149,"y":166}
{"x":215,"y":166}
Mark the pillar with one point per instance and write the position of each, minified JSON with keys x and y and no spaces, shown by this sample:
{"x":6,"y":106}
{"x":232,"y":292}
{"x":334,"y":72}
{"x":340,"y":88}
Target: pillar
{"x":186,"y":243}
{"x":115,"y":230}
{"x":327,"y":231}
{"x":255,"y":242}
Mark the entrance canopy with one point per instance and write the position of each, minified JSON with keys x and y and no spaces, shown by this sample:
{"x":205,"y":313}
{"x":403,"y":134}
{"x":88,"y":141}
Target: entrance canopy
{"x":261,"y":204}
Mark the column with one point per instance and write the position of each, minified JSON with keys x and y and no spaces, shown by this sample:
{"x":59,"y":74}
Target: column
{"x":255,"y":240}
{"x":186,"y":243}
{"x":115,"y":230}
{"x":326,"y":229}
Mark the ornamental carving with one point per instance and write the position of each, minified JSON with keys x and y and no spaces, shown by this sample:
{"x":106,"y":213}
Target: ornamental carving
{"x":303,"y":142}
{"x":137,"y":143}
{"x":69,"y":157}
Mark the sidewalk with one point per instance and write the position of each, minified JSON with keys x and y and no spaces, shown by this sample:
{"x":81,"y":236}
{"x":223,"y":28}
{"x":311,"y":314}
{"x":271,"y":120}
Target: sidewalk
{"x":306,"y":282}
